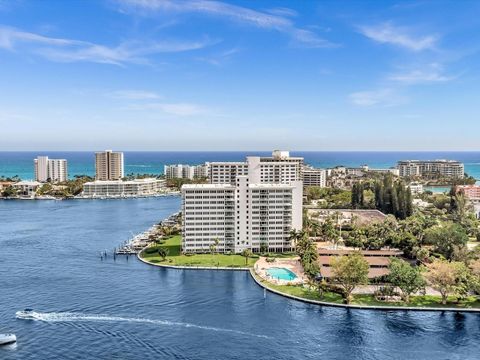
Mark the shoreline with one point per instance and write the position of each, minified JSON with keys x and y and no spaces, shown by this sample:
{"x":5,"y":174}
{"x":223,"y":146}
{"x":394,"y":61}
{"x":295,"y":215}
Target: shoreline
{"x":173,"y":193}
{"x":187,"y":267}
{"x":309,"y":301}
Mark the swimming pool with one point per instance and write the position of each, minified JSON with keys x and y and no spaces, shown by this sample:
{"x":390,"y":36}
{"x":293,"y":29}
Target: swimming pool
{"x":281,"y":273}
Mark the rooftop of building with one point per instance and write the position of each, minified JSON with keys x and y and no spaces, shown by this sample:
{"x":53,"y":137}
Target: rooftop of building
{"x":431,"y":161}
{"x":326,"y":272}
{"x":366,"y":253}
{"x":271,"y":186}
{"x":207,"y":186}
{"x":27,"y":183}
{"x":378,"y":260}
{"x":113,"y":182}
{"x":48,"y":158}
{"x":226,"y":163}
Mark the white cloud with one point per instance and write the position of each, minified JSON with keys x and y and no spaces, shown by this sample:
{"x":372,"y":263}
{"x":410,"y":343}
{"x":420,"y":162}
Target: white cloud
{"x":278,"y":19}
{"x":381,"y":97}
{"x":219,"y":58}
{"x":282,"y":11}
{"x":177,"y":109}
{"x":134,"y":95}
{"x":10,"y":37}
{"x":69,"y":50}
{"x":432,"y":73}
{"x":386,"y":33}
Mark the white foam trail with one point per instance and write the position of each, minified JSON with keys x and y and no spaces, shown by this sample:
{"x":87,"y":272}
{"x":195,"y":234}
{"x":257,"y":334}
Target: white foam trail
{"x":72,"y":317}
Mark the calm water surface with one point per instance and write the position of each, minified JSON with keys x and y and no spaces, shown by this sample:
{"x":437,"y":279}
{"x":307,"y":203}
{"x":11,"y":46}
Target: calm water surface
{"x":94,"y":309}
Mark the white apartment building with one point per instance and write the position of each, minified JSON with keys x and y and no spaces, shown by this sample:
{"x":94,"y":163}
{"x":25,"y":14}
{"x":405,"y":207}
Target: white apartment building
{"x":314,"y":177}
{"x":54,"y":170}
{"x":279,"y":168}
{"x":240,"y":216}
{"x":342,"y":171}
{"x":119,"y":188}
{"x":446,"y":168}
{"x":247,"y":205}
{"x":181,"y":171}
{"x":393,"y":171}
{"x":109,"y":165}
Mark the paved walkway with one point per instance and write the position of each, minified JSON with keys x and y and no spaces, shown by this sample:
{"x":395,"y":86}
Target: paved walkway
{"x":370,"y":289}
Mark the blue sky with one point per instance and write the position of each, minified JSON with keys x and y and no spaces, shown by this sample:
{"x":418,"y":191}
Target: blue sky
{"x":239,"y":75}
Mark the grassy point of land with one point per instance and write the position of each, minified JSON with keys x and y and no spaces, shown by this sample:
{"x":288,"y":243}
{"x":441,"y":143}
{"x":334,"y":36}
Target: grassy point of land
{"x":369,"y":300}
{"x":175,"y":257}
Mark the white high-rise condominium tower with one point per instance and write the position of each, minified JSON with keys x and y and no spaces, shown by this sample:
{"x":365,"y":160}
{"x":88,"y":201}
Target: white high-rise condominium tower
{"x":46,"y":169}
{"x":247,"y":205}
{"x":108,"y":165}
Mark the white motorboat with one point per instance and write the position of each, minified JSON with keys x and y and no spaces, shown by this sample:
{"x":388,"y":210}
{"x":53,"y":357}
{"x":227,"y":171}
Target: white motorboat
{"x":27,"y":314}
{"x":7,"y":339}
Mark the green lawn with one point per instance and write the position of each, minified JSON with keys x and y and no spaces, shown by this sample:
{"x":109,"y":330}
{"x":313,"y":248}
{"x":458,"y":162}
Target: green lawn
{"x":420,"y":301}
{"x":176,"y":258}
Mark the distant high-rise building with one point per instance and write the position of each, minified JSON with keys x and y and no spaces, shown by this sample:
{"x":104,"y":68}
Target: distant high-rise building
{"x":46,"y":169}
{"x":108,"y":165}
{"x":429,"y":168}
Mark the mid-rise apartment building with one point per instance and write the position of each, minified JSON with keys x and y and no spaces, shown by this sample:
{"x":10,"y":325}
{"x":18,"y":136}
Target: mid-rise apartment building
{"x":314,"y":177}
{"x":471,"y":191}
{"x":180,"y":171}
{"x":226,"y":172}
{"x":426,"y":168}
{"x":342,"y":171}
{"x":54,"y":170}
{"x":108,"y":165}
{"x":119,"y":188}
{"x":247,"y":205}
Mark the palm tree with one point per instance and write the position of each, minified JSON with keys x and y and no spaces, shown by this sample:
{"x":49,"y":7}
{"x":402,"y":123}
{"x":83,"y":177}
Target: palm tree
{"x":296,"y":236}
{"x":215,"y":243}
{"x":247,"y":253}
{"x":163,"y":253}
{"x":293,"y":237}
{"x":314,"y":229}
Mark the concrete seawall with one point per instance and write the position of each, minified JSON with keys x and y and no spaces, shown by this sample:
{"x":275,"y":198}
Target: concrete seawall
{"x":360,"y":307}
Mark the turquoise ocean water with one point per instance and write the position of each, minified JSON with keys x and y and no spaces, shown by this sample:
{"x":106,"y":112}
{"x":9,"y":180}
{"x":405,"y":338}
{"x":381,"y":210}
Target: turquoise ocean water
{"x":21,"y":163}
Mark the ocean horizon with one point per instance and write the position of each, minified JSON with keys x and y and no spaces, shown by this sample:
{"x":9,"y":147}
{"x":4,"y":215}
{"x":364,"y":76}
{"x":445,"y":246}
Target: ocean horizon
{"x":20,"y":163}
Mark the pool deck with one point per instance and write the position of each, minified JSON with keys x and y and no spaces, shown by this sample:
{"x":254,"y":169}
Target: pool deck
{"x":293,"y":264}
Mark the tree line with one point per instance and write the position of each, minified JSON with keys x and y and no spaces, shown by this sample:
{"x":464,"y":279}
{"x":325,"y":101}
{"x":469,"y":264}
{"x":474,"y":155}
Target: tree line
{"x":390,"y":196}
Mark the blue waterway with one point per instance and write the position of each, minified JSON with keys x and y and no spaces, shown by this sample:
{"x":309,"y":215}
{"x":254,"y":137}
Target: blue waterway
{"x":21,"y":163}
{"x":128,"y":310}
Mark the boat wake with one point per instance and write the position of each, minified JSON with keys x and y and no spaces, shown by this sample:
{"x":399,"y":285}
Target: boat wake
{"x":80,"y":317}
